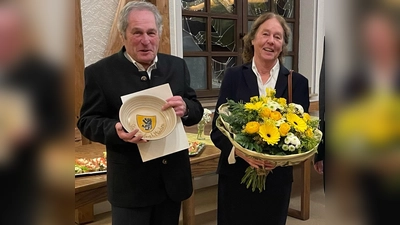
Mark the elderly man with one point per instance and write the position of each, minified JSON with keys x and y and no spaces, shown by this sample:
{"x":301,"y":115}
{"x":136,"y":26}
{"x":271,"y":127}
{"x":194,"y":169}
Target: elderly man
{"x":139,"y":192}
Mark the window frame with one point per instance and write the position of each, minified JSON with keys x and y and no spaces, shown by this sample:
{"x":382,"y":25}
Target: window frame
{"x":241,"y":18}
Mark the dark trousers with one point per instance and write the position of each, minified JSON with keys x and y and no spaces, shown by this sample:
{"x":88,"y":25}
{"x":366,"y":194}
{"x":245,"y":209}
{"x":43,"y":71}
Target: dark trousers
{"x":165,"y":213}
{"x":238,"y":205}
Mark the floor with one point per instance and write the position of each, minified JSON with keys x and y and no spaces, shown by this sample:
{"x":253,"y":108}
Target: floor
{"x":205,"y":199}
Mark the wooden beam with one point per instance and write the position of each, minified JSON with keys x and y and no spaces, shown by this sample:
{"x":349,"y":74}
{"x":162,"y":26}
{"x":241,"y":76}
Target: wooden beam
{"x":79,"y":64}
{"x":79,"y":60}
{"x":165,"y":43}
{"x":114,"y":42}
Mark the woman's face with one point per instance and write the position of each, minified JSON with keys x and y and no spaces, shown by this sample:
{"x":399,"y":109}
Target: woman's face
{"x":268,"y":41}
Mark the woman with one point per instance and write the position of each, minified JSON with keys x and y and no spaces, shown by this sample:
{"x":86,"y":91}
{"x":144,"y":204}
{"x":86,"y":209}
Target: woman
{"x":264,"y":48}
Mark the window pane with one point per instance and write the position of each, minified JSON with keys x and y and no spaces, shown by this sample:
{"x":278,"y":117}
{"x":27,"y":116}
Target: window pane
{"x":198,"y":71}
{"x":288,"y":62}
{"x":249,"y":24}
{"x":194,"y":34}
{"x":222,"y":6}
{"x":193,"y":5}
{"x":284,"y":8}
{"x":223,"y":35}
{"x":219,"y":65}
{"x":257,"y":7}
{"x":290,"y":44}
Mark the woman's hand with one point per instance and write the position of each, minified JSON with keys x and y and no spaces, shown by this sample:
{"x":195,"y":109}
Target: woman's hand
{"x":256,"y":163}
{"x":319,"y":167}
{"x":129,"y":137}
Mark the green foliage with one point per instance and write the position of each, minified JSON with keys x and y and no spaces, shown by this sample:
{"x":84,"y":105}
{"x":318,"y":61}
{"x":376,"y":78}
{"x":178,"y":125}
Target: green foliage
{"x":248,"y":142}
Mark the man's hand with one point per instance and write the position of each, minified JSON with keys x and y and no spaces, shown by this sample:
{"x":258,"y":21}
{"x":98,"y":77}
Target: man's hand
{"x":256,"y":163}
{"x":319,"y":166}
{"x":129,"y":137}
{"x":178,"y":104}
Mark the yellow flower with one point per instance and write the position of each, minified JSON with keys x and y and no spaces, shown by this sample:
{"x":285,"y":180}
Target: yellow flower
{"x":306,"y":117}
{"x":281,"y":101}
{"x":269,"y":133}
{"x":270,"y":92}
{"x":252,"y":127}
{"x":264,"y":99}
{"x":254,"y":99}
{"x":297,"y":122}
{"x":284,"y":129}
{"x":253,"y":106}
{"x":265,"y":112}
{"x":309,"y":132}
{"x":275,"y":115}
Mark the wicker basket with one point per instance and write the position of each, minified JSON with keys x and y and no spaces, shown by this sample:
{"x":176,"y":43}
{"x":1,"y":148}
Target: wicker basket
{"x":280,"y":160}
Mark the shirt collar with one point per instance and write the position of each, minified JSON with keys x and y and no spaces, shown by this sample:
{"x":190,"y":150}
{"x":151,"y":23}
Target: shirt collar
{"x":140,"y":66}
{"x":274,"y":71}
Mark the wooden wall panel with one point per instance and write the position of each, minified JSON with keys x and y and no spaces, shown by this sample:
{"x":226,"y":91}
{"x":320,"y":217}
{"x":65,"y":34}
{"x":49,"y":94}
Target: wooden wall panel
{"x":79,"y":64}
{"x":163,"y":7}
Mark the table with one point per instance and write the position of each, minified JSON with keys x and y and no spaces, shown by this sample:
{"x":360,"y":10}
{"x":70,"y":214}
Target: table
{"x":92,"y":189}
{"x":89,"y":189}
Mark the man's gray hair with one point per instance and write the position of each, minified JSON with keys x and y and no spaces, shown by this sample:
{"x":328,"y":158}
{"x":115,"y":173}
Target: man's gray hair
{"x":138,"y":5}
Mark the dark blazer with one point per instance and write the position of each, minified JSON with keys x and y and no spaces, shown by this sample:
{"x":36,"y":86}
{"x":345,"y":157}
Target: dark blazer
{"x":130,"y":182}
{"x":239,"y":84}
{"x":271,"y":205}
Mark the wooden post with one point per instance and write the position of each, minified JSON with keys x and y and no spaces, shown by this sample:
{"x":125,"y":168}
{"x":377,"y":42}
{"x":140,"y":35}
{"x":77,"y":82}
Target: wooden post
{"x":79,"y":64}
{"x":84,"y":214}
{"x":304,"y":212}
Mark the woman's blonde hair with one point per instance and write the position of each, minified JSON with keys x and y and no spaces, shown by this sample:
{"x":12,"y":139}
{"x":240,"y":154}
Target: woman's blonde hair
{"x":248,"y":49}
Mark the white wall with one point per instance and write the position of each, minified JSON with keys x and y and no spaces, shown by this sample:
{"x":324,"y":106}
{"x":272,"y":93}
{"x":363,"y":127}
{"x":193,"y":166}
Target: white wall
{"x":97,"y":19}
{"x":312,"y":31}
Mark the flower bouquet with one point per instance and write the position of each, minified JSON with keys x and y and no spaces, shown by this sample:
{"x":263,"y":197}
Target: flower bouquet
{"x":267,"y":128}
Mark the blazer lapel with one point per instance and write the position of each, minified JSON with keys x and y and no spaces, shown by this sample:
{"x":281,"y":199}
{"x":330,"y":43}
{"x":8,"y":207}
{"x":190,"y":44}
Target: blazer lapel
{"x":281,"y":83}
{"x":250,"y":79}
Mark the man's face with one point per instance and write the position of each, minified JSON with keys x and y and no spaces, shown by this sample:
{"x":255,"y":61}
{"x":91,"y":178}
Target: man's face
{"x":142,"y":37}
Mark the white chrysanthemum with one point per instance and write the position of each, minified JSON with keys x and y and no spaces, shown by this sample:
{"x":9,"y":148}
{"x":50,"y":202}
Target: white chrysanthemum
{"x":279,"y":122}
{"x":273,"y":106}
{"x":292,"y":140}
{"x":285,"y":147}
{"x":206,"y":115}
{"x":291,"y":148}
{"x":297,"y":109}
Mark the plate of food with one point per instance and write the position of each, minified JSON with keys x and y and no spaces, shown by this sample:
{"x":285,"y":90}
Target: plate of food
{"x":195,"y":147}
{"x":144,"y":112}
{"x":90,"y":166}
